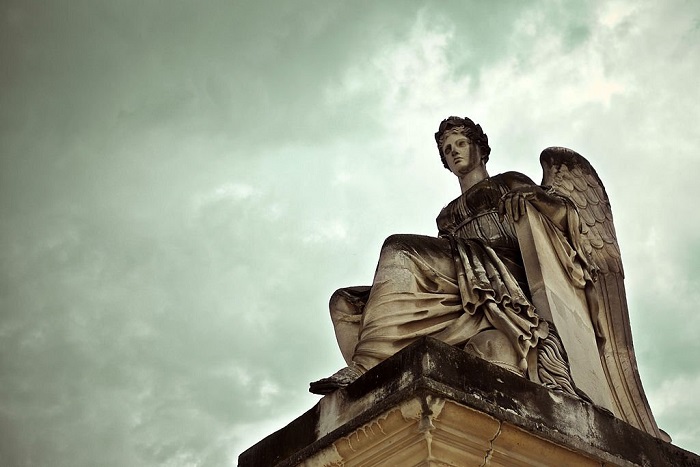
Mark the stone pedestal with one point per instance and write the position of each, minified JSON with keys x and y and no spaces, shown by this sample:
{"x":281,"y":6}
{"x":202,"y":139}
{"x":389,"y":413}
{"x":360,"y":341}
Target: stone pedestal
{"x":434,"y":405}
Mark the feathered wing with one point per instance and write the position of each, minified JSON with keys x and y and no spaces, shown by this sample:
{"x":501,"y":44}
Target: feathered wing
{"x":570,"y":175}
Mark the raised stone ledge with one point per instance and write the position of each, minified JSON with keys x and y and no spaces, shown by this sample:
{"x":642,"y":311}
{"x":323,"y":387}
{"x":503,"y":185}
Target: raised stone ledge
{"x":429,"y":376}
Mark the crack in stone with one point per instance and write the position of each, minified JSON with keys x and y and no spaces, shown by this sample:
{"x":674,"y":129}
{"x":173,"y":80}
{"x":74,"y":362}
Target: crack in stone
{"x":489,"y":452}
{"x":426,"y":427}
{"x":426,"y":420}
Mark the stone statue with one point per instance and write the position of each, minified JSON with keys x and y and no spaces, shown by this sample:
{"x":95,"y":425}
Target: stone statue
{"x":526,"y":276}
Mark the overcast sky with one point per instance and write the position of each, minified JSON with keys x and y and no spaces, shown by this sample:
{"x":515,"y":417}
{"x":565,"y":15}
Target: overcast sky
{"x":183,"y":184}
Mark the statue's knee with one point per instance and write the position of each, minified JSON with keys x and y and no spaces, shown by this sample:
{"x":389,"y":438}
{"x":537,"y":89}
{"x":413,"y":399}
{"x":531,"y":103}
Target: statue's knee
{"x":397,"y":243}
{"x":394,"y":241}
{"x":395,"y":251}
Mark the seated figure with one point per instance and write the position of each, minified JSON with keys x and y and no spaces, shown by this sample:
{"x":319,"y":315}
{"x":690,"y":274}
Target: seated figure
{"x":469,"y":286}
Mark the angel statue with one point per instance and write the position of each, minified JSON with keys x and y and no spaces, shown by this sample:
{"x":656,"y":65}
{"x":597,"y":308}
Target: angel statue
{"x":525,"y":276}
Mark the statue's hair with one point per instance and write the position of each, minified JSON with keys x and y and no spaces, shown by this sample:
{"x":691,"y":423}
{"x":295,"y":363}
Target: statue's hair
{"x":466,"y":127}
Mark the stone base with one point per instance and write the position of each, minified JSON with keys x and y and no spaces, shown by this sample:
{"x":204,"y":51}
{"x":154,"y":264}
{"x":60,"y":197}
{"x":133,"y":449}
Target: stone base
{"x":435,"y":405}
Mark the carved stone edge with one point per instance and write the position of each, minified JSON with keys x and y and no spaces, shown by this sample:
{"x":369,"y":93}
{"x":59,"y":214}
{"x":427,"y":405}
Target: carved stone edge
{"x":430,"y":368}
{"x":428,"y":430}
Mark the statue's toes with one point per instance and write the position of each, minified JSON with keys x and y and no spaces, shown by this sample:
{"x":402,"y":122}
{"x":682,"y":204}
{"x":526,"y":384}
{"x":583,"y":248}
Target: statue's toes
{"x":340,"y":379}
{"x":323,"y":386}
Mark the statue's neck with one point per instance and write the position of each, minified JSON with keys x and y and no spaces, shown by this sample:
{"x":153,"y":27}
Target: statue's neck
{"x":470,"y":179}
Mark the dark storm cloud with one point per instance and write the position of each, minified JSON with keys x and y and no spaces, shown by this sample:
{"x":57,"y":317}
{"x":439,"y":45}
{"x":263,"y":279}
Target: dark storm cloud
{"x":182,"y":186}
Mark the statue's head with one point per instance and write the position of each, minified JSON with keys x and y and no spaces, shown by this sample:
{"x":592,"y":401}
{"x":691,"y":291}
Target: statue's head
{"x":469,"y":129}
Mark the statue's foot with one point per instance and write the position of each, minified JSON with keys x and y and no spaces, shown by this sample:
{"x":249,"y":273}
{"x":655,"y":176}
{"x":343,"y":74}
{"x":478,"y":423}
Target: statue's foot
{"x":338,"y":380}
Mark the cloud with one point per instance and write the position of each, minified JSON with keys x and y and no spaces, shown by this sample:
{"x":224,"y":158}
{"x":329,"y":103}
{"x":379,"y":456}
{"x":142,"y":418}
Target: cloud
{"x":230,"y":191}
{"x":181,"y":190}
{"x":671,"y":402}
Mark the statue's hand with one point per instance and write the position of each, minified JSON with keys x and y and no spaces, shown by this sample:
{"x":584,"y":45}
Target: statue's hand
{"x":513,"y":204}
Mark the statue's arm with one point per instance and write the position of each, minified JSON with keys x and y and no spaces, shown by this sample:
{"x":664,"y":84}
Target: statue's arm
{"x":522,"y":190}
{"x":443,"y":223}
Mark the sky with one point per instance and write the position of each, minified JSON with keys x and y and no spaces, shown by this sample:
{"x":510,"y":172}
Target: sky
{"x":184,"y":184}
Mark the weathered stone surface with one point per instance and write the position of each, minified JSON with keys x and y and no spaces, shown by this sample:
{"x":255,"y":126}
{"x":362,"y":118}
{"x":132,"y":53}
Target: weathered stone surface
{"x":437,"y":403}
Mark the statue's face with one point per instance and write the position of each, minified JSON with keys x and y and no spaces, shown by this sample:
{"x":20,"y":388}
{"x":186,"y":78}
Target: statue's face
{"x":461,"y":155}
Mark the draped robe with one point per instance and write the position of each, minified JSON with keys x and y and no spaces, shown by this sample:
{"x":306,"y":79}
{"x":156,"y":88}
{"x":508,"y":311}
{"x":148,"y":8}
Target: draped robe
{"x":468,"y":282}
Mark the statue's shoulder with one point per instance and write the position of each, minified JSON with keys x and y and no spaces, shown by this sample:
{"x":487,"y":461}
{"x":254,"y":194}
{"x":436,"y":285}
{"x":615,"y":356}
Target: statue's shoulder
{"x":444,"y":219}
{"x":448,"y":215}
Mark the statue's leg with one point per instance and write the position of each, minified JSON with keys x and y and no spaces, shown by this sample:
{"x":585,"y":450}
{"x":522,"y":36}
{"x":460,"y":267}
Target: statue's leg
{"x":414,"y":294}
{"x":346,"y":307}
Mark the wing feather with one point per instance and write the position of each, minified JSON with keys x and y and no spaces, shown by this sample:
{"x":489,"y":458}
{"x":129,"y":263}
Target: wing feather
{"x":570,"y":175}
